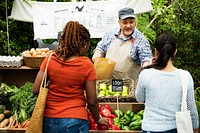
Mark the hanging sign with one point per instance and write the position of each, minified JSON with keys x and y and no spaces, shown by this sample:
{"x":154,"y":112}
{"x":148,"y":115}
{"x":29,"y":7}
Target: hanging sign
{"x":117,"y":85}
{"x":98,"y":17}
{"x":50,"y":17}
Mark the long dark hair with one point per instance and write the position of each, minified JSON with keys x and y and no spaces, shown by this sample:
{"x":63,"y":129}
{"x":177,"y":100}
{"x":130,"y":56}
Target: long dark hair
{"x":73,"y":36}
{"x":166,"y":46}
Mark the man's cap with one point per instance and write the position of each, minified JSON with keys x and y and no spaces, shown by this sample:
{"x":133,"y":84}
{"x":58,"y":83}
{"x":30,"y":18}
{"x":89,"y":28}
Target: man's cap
{"x":126,"y":13}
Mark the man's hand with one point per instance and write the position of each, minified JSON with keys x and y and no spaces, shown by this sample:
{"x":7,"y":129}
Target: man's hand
{"x":148,"y":63}
{"x":97,"y":54}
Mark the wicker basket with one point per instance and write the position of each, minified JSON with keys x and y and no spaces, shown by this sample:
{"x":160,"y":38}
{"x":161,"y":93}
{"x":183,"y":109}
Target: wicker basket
{"x":33,"y":61}
{"x":130,"y":83}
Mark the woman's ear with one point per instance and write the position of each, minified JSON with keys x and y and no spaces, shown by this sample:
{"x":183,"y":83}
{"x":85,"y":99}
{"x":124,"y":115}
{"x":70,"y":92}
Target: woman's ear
{"x":156,"y":53}
{"x":175,"y":52}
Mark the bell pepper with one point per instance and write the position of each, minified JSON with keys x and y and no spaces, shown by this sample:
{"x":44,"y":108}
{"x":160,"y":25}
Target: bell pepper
{"x":108,"y":107}
{"x":115,"y":127}
{"x":128,"y":112}
{"x":103,"y":127}
{"x":141,"y":113}
{"x":135,"y":125}
{"x":125,"y":120}
{"x":118,"y":113}
{"x":94,"y":126}
{"x":125,"y":128}
{"x":92,"y":122}
{"x":136,"y":118}
{"x":105,"y":112}
{"x":110,"y":122}
{"x":135,"y":128}
{"x":131,"y":115}
{"x":113,"y":116}
{"x":116,"y":120}
{"x":100,"y":107}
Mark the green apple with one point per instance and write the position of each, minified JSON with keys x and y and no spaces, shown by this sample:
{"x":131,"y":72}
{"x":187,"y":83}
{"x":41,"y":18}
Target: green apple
{"x":110,"y":87}
{"x":112,"y":93}
{"x":116,"y":94}
{"x":124,"y":94}
{"x":102,"y":92}
{"x":125,"y":89}
{"x":100,"y":95}
{"x":102,"y":86}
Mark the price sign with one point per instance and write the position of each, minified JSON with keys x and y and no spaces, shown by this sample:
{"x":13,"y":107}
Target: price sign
{"x":117,"y":85}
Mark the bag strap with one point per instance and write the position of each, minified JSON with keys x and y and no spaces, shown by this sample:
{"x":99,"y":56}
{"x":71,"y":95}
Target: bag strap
{"x":184,"y":83}
{"x":44,"y":78}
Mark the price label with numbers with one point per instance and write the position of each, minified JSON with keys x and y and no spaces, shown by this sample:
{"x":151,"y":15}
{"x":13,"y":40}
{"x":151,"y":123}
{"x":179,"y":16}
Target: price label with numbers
{"x":117,"y":85}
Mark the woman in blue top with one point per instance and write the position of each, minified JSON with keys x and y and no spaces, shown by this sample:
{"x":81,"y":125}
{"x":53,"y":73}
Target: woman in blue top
{"x":161,"y":90}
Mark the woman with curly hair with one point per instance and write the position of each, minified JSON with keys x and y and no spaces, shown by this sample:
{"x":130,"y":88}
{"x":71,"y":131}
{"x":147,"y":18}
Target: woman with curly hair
{"x":70,"y":74}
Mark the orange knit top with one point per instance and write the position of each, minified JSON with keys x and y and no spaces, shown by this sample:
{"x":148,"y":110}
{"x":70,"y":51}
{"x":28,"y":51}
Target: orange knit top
{"x":66,"y":91}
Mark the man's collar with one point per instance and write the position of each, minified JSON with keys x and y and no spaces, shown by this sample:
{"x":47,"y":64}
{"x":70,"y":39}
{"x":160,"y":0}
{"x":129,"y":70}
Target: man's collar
{"x":118,"y":32}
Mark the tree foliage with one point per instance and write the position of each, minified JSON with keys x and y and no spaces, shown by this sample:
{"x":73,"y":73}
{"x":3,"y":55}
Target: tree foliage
{"x":180,"y":17}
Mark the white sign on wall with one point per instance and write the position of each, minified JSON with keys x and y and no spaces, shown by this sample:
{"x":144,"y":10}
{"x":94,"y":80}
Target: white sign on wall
{"x":50,"y":17}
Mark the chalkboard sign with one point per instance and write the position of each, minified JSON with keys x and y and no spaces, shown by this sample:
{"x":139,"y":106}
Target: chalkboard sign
{"x":117,"y":85}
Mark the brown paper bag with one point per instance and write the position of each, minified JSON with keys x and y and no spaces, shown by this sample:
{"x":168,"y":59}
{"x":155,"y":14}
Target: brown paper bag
{"x":104,"y":68}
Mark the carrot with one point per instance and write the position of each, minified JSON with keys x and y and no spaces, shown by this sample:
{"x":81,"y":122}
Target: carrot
{"x":2,"y":116}
{"x":26,"y":124}
{"x":4,"y":123}
{"x":18,"y":125}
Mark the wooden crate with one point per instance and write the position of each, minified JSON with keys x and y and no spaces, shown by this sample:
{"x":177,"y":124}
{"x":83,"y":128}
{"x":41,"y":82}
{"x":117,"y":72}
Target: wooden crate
{"x":130,"y":83}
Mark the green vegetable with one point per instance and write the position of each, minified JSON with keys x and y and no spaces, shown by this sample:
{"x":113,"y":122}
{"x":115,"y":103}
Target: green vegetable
{"x":128,"y":112}
{"x":23,"y":102}
{"x":125,"y":128}
{"x":135,"y":128}
{"x":116,"y":120}
{"x":119,"y":113}
{"x":136,"y":118}
{"x":131,"y":115}
{"x":141,"y":113}
{"x":135,"y":125}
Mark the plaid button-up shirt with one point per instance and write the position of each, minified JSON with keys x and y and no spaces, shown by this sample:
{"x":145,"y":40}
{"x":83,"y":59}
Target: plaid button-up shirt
{"x":140,"y":50}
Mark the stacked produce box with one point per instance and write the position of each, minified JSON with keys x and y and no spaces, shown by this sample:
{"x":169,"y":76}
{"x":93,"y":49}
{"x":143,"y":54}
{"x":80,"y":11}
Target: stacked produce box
{"x":11,"y":61}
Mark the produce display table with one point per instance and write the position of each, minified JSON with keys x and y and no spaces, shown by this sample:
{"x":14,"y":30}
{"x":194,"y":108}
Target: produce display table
{"x":91,"y":131}
{"x":20,"y":75}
